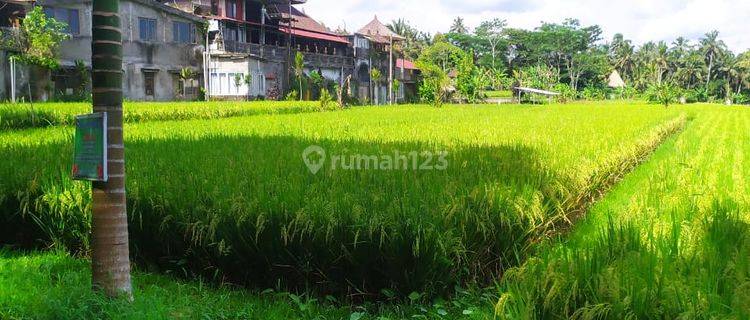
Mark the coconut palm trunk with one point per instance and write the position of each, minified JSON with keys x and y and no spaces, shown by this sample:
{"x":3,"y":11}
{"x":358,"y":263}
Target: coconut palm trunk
{"x":110,"y":261}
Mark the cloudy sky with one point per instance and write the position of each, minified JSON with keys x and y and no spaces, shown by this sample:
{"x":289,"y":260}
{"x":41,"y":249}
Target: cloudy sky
{"x":639,"y":20}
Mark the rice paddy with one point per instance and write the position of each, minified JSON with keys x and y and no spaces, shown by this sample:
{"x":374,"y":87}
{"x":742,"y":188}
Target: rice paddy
{"x":670,"y":241}
{"x":608,"y":210}
{"x":22,"y":116}
{"x":232,"y":198}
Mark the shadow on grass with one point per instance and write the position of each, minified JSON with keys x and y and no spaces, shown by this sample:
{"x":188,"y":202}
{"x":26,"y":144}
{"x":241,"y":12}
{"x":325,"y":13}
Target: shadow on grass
{"x":248,"y":211}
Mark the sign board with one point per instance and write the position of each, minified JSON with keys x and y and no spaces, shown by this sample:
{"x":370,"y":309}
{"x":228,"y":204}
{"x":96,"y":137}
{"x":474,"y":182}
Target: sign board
{"x":90,"y":147}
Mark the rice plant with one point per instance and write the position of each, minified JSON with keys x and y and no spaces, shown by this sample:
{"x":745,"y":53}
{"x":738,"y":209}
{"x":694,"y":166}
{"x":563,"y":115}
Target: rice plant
{"x":671,"y":241}
{"x":231,"y":198}
{"x":21,"y":116}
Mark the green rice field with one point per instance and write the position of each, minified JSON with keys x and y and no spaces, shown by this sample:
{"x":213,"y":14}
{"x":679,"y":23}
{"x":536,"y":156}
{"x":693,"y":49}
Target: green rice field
{"x":605,"y":210}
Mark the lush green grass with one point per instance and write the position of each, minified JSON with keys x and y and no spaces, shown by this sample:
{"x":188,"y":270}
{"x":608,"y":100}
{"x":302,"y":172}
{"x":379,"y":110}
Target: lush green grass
{"x":232,"y":198}
{"x":671,"y":241}
{"x":55,"y":286}
{"x":19,"y":116}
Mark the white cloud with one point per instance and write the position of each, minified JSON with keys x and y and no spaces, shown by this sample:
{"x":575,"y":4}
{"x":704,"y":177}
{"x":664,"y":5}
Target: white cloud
{"x":639,"y":20}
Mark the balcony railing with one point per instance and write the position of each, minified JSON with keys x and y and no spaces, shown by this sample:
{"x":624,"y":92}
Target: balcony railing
{"x":277,"y":53}
{"x":266,"y":52}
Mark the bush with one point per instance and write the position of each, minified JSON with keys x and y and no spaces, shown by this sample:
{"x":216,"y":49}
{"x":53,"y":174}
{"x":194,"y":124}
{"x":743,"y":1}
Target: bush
{"x":626,"y":92}
{"x":292,"y":96}
{"x":566,"y":92}
{"x":325,"y":99}
{"x":696,"y":95}
{"x":594,"y":93}
{"x":665,"y":94}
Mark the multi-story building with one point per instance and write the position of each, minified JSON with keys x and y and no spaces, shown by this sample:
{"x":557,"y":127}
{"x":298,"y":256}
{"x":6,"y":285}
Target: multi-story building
{"x":373,"y":48}
{"x":250,"y":52}
{"x":158,"y":42}
{"x":259,"y":39}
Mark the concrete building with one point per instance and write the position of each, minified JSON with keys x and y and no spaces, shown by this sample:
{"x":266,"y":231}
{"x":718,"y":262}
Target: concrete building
{"x":252,"y":44}
{"x":158,"y":42}
{"x":259,"y":39}
{"x":374,"y":49}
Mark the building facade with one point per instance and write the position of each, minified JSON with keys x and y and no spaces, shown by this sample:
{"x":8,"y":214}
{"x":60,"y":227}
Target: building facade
{"x":253,"y":45}
{"x":250,"y":51}
{"x":159,"y":42}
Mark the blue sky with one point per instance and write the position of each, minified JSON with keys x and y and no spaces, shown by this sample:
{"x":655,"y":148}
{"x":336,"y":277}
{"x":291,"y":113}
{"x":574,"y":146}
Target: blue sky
{"x":639,"y":20}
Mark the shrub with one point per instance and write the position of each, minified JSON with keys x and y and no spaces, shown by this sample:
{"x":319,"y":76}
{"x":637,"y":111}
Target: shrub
{"x":566,"y":92}
{"x":665,"y":94}
{"x":292,"y":96}
{"x":325,"y":99}
{"x":594,"y":93}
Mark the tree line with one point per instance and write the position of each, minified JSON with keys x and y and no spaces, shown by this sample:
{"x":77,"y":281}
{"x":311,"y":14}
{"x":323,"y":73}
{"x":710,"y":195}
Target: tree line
{"x":574,"y":60}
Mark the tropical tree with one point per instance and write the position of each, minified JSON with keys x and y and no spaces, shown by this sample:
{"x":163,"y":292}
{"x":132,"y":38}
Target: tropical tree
{"x":248,"y":80}
{"x":186,"y":74}
{"x":442,"y":54}
{"x":743,"y":62}
{"x":375,"y":76}
{"x":458,"y":26}
{"x":299,"y":70}
{"x":491,"y":31}
{"x":434,"y":83}
{"x":40,"y":39}
{"x":711,"y":47}
{"x":622,"y":56}
{"x":469,"y":80}
{"x":415,"y":41}
{"x":110,"y":257}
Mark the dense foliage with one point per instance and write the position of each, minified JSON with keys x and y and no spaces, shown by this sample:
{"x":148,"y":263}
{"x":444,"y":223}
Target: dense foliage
{"x":579,"y":58}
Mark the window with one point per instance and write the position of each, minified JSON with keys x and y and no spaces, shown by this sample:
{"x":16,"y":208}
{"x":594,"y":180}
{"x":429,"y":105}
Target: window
{"x":67,"y":16}
{"x":232,"y":8}
{"x":148,"y":83}
{"x":183,"y":32}
{"x":147,"y":28}
{"x":230,"y":34}
{"x":241,"y":35}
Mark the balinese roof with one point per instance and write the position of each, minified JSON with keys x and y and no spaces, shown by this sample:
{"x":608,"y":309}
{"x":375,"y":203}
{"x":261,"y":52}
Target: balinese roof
{"x":537,"y":91}
{"x":406,"y":64}
{"x":305,"y":26}
{"x":376,"y":31}
{"x":615,"y":80}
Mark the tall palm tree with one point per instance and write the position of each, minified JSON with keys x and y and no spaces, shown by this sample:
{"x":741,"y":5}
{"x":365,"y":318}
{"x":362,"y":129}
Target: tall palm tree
{"x":743,"y":62}
{"x":711,"y":47}
{"x":661,"y":61}
{"x":690,"y":69}
{"x":110,"y":260}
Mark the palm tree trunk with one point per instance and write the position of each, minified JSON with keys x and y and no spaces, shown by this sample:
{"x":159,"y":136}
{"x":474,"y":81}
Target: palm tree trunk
{"x":710,"y":66}
{"x":110,"y":261}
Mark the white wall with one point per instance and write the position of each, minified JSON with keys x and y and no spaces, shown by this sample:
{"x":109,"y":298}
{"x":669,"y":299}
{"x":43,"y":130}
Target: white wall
{"x":223,"y":71}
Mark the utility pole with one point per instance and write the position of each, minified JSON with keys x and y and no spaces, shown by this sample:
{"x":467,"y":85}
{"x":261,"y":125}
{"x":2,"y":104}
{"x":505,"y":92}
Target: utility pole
{"x":207,"y":67}
{"x":289,"y":52}
{"x":13,"y":79}
{"x":110,"y":256}
{"x":390,"y":70}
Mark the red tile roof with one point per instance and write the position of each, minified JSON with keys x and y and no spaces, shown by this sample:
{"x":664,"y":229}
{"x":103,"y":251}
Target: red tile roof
{"x":315,"y":35}
{"x":406,"y":64}
{"x":378,"y":32}
{"x":305,"y":26}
